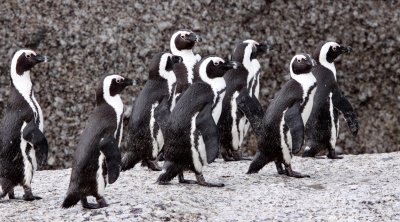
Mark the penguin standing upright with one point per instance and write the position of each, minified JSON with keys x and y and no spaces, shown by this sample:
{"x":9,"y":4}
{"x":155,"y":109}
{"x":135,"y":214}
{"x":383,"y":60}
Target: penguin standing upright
{"x":145,"y":139}
{"x":181,"y":44}
{"x":280,"y":132}
{"x":97,"y":155}
{"x":232,"y":126}
{"x":322,"y":129}
{"x":21,"y":132}
{"x":191,"y":138}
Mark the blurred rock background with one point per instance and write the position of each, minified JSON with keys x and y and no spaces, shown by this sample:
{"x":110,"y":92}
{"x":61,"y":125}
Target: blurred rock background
{"x":88,"y":39}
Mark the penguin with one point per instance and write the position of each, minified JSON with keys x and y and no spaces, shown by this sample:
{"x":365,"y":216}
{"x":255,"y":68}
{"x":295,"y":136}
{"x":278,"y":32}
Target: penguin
{"x":280,"y":131}
{"x":182,"y":43}
{"x":322,"y":129}
{"x":145,"y":139}
{"x":233,"y":126}
{"x":23,"y":144}
{"x":97,"y":157}
{"x":191,"y":138}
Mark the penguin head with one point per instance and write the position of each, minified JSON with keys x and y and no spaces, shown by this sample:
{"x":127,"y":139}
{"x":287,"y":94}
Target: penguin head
{"x":301,"y":64}
{"x":111,"y":86}
{"x":183,"y":40}
{"x":162,"y":64}
{"x":214,"y":67}
{"x":249,"y":50}
{"x":329,"y":51}
{"x":25,"y":59}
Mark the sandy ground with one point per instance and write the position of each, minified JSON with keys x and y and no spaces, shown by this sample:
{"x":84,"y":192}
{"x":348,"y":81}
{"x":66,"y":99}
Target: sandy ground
{"x":356,"y":188}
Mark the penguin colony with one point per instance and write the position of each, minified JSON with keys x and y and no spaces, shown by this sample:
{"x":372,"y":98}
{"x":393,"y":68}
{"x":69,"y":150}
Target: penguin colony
{"x":190,"y":111}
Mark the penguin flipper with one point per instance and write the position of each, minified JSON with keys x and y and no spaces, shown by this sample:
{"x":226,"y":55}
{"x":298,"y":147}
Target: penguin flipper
{"x":295,"y":123}
{"x":252,"y":109}
{"x":33,"y":135}
{"x":209,"y":130}
{"x":161,"y":114}
{"x":343,"y":105}
{"x":109,"y":147}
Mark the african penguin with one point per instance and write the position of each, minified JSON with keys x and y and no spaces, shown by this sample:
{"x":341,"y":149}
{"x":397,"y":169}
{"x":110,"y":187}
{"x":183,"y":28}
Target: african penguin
{"x":23,"y":143}
{"x":181,"y":44}
{"x":191,"y":138}
{"x":232,"y":126}
{"x":145,"y":139}
{"x":280,"y":131}
{"x":97,"y":158}
{"x":322,"y":129}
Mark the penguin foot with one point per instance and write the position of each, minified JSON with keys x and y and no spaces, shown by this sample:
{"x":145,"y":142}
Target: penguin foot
{"x":30,"y":198}
{"x":279,"y":168}
{"x":292,"y":173}
{"x":152,"y":165}
{"x":183,"y":180}
{"x":100,"y":204}
{"x":11,"y":194}
{"x":201,"y":181}
{"x":334,"y":156}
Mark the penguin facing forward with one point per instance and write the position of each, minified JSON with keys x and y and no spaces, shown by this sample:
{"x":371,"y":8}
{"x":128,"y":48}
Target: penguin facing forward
{"x":23,"y":144}
{"x":145,"y":139}
{"x":232,"y":126}
{"x":181,"y":44}
{"x":280,"y":132}
{"x":97,"y":158}
{"x":322,"y":129}
{"x":191,"y":138}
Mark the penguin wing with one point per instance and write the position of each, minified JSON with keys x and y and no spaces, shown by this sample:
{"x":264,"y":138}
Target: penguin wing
{"x":109,"y":146}
{"x":33,"y":135}
{"x":295,"y":123}
{"x":209,"y":130}
{"x":252,"y":109}
{"x":343,"y":105}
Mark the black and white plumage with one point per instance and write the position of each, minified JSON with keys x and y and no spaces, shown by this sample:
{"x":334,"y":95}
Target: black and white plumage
{"x":97,"y":158}
{"x":191,"y":133}
{"x":145,"y":139}
{"x":233,"y":125}
{"x":181,"y":44}
{"x":23,"y":143}
{"x":280,"y":132}
{"x":322,"y":129}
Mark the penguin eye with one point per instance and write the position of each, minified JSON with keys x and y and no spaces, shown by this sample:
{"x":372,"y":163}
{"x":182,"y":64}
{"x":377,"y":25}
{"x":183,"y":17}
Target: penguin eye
{"x":334,"y":48}
{"x":298,"y":60}
{"x":118,"y":81}
{"x":28,"y":56}
{"x":182,"y":37}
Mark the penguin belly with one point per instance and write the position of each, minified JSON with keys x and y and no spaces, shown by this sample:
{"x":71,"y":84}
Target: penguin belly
{"x":238,"y":126}
{"x":29,"y":158}
{"x":286,"y":140}
{"x":216,"y":112}
{"x":155,"y":132}
{"x":308,"y":106}
{"x":100,"y":175}
{"x":198,"y":148}
{"x":334,"y":126}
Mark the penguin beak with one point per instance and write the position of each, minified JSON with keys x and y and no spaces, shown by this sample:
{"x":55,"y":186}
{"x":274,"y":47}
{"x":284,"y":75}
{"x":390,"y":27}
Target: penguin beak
{"x":129,"y":82}
{"x":194,"y":38}
{"x":39,"y":58}
{"x":264,"y":47}
{"x":313,"y":62}
{"x":176,"y":59}
{"x":345,"y":49}
{"x":231,"y":65}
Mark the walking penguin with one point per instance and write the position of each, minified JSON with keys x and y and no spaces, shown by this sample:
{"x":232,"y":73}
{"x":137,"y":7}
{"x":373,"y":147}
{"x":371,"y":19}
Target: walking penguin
{"x":23,"y":144}
{"x":280,"y":132}
{"x":322,"y":129}
{"x":145,"y":139}
{"x":191,"y":138}
{"x":97,"y":157}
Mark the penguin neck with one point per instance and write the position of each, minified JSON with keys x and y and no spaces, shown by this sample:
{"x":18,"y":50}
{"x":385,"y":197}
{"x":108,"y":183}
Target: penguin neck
{"x":22,"y":83}
{"x":217,"y":84}
{"x":189,"y":59}
{"x":306,"y":81}
{"x":328,"y":65}
{"x":115,"y":102}
{"x":169,"y":76}
{"x":252,"y":66}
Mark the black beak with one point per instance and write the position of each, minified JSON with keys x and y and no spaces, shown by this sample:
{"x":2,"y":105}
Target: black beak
{"x":264,"y":47}
{"x":129,"y":82}
{"x":345,"y":49}
{"x":176,"y":59}
{"x":312,"y":62}
{"x":193,"y":37}
{"x":231,"y":65}
{"x":40,"y":58}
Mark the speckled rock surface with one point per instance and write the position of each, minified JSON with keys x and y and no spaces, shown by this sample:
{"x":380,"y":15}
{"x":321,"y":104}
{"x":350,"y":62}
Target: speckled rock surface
{"x":356,"y":188}
{"x":87,"y":39}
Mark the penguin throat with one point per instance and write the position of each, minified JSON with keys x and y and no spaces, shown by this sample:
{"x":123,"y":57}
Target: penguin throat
{"x":306,"y":81}
{"x":189,"y":59}
{"x":168,"y":75}
{"x":251,"y":65}
{"x":115,"y":102}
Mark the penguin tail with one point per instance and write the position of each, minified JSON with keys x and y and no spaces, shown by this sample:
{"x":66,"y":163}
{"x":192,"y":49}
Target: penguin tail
{"x":71,"y":200}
